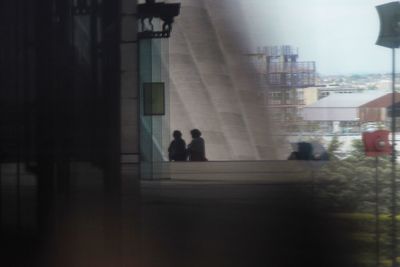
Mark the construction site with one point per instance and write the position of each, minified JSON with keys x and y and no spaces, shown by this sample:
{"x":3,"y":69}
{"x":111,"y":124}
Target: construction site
{"x":285,"y":78}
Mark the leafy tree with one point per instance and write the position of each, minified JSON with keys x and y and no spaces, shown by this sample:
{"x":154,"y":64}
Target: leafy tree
{"x":351,"y":180}
{"x":333,"y":147}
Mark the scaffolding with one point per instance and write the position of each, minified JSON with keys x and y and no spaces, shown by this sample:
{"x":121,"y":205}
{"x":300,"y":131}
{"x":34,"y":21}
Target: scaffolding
{"x":285,"y":78}
{"x":284,"y":71}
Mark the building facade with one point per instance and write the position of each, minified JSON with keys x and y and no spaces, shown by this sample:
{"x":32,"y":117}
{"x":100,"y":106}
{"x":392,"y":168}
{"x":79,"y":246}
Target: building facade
{"x":289,"y":84}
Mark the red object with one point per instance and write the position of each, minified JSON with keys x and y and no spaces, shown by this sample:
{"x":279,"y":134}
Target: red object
{"x":376,"y":143}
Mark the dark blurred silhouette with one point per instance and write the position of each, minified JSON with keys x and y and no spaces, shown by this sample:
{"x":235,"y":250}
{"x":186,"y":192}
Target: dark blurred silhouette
{"x":177,"y":148}
{"x":308,"y":151}
{"x":319,"y":151}
{"x":60,"y":113}
{"x":196,"y":149}
{"x":302,"y":152}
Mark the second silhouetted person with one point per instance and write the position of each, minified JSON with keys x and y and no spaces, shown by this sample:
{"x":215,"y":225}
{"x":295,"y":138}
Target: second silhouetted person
{"x":196,"y":149}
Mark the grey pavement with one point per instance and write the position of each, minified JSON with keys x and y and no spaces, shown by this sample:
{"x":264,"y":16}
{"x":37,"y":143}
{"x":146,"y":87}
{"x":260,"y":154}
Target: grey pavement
{"x":236,"y":224}
{"x":188,"y":223}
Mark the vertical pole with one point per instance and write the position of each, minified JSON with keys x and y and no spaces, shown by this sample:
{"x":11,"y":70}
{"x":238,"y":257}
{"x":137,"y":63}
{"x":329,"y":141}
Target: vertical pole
{"x":394,"y":184}
{"x":377,"y":222}
{"x":1,"y":195}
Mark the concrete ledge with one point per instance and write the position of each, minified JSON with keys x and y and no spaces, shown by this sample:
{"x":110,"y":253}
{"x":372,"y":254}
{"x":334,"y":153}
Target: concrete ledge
{"x":244,"y":171}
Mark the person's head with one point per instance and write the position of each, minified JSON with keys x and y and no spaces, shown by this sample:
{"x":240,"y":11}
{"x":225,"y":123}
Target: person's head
{"x":177,"y":134}
{"x":195,"y":133}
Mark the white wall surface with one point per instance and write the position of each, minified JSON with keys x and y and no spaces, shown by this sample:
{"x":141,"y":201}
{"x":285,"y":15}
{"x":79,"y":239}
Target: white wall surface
{"x":330,"y":114}
{"x":212,"y":87}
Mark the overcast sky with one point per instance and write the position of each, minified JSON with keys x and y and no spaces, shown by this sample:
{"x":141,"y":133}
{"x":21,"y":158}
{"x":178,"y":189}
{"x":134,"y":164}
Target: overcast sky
{"x":339,"y":35}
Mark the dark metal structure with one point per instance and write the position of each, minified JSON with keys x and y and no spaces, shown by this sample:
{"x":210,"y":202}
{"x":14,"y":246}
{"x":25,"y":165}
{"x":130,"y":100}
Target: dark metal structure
{"x":59,"y":102}
{"x":284,"y":71}
{"x":165,"y":12}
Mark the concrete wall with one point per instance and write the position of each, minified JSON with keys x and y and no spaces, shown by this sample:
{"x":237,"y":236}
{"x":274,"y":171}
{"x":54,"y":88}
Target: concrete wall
{"x":275,"y":171}
{"x":310,"y":95}
{"x":213,"y":88}
{"x":330,"y":114}
{"x":129,"y":90}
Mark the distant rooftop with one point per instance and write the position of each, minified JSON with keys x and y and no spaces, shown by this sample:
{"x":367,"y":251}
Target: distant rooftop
{"x":382,"y":102}
{"x":346,"y":100}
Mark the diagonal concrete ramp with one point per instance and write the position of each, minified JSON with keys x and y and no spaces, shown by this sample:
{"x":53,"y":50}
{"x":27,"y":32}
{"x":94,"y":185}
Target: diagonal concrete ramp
{"x":214,"y":87}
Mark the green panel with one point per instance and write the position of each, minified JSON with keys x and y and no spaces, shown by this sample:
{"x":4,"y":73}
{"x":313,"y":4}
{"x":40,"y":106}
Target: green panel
{"x":154,"y":99}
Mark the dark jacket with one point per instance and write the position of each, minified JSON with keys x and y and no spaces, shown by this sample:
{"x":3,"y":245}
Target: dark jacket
{"x":177,"y":150}
{"x":196,"y":150}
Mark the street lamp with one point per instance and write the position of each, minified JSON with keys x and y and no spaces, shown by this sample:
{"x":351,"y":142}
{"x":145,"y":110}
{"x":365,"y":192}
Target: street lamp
{"x":389,"y":36}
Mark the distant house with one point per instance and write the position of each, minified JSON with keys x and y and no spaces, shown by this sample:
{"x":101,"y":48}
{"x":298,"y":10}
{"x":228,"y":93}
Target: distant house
{"x":342,"y":112}
{"x":378,"y":109}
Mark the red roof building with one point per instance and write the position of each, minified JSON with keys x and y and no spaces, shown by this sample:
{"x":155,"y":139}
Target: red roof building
{"x":377,"y":109}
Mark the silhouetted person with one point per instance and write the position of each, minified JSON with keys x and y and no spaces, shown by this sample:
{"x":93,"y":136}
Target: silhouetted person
{"x":308,"y":151}
{"x":177,"y":148}
{"x":304,"y":152}
{"x":196,"y":149}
